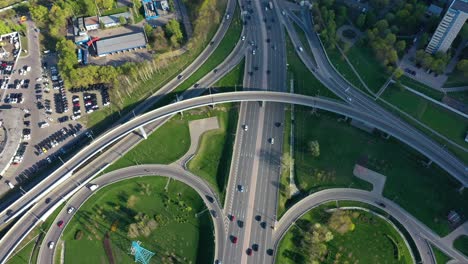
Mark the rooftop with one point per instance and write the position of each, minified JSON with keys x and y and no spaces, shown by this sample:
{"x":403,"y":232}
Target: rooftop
{"x":119,"y":43}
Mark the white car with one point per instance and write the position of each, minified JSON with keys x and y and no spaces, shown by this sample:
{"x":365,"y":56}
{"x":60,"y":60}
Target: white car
{"x":51,"y":244}
{"x":243,"y":37}
{"x":246,"y":127}
{"x":272,"y":141}
{"x":70,"y":209}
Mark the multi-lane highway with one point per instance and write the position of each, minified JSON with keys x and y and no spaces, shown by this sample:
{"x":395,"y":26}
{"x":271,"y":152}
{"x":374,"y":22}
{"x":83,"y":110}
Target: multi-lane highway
{"x":254,"y":154}
{"x":173,"y":171}
{"x":18,"y":231}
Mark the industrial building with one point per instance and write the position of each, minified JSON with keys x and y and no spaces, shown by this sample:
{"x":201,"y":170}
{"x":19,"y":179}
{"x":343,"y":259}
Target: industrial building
{"x":120,"y":43}
{"x":114,"y":20}
{"x":449,"y":27}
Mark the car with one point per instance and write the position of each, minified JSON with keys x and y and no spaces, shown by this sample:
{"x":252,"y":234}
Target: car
{"x":300,"y":49}
{"x":249,"y":251}
{"x":49,"y":160}
{"x":240,"y":223}
{"x":263,"y":224}
{"x":70,"y":210}
{"x":277,"y":124}
{"x":272,"y":140}
{"x":233,"y":239}
{"x":241,"y":188}
{"x":258,"y":218}
{"x":255,"y":247}
{"x":47,"y":200}
{"x":246,"y":127}
{"x":60,"y":223}
{"x":269,"y":252}
{"x":380,"y":204}
{"x":51,"y":244}
{"x":243,"y":38}
{"x":232,"y":218}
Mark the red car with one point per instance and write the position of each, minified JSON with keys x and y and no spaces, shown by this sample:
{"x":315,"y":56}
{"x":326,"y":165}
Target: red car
{"x":60,"y":223}
{"x":233,"y":218}
{"x":234,"y":239}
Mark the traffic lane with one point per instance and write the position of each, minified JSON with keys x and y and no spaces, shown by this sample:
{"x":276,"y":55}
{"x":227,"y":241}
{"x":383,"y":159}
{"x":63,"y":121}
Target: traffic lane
{"x":175,"y":172}
{"x":413,"y":226}
{"x":269,"y":179}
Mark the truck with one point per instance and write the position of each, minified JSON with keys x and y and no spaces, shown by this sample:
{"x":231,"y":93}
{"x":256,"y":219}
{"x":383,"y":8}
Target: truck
{"x":93,"y":187}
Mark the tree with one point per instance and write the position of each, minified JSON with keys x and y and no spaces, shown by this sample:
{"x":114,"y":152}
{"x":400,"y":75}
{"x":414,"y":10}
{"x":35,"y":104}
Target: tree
{"x":341,"y":222}
{"x":122,"y":20}
{"x":463,"y":67}
{"x":105,"y":4}
{"x":398,"y":73}
{"x":174,"y":32}
{"x":148,"y":30}
{"x":314,"y":148}
{"x":360,"y":21}
{"x":39,"y":13}
{"x":400,"y":45}
{"x":427,"y":61}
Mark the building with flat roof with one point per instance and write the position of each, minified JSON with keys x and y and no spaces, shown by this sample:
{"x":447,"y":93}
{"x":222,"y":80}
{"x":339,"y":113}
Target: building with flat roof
{"x":452,"y":22}
{"x":91,"y":23}
{"x":114,"y":20}
{"x":434,"y":10}
{"x":120,"y":43}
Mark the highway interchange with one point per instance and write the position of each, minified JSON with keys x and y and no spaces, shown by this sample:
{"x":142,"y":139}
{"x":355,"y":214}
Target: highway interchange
{"x":253,"y":155}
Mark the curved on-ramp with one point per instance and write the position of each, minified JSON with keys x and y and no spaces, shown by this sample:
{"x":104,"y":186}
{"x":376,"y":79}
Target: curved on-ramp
{"x":419,"y":233}
{"x":46,"y":255}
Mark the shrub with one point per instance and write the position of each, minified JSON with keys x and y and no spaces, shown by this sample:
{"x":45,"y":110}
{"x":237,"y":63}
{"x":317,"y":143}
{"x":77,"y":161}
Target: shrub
{"x":78,"y":235}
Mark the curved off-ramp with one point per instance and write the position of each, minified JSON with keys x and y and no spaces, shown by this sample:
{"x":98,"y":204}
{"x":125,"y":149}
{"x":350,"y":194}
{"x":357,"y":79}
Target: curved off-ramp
{"x":172,"y":171}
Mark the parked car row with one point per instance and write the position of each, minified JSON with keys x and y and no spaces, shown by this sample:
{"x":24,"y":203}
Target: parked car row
{"x":92,"y":87}
{"x":14,"y":98}
{"x":61,"y":103}
{"x":90,"y":102}
{"x":105,"y":96}
{"x":56,"y":138}
{"x":18,"y":158}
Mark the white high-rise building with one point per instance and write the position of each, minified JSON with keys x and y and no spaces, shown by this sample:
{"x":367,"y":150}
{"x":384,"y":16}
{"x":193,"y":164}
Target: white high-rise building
{"x":448,"y":28}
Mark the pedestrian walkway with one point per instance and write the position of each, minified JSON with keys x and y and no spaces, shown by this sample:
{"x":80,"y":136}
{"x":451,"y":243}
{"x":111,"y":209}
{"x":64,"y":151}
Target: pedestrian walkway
{"x":197,"y":128}
{"x":460,"y":231}
{"x":376,"y":179}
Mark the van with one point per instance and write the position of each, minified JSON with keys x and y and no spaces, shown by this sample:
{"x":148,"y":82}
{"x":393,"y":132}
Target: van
{"x":93,"y":187}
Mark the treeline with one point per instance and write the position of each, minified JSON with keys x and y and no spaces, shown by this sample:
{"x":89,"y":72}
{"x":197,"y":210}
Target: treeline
{"x":162,"y":39}
{"x":75,"y":76}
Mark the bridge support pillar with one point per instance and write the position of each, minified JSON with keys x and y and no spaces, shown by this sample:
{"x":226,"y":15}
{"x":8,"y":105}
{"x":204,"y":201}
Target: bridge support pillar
{"x":143,"y":132}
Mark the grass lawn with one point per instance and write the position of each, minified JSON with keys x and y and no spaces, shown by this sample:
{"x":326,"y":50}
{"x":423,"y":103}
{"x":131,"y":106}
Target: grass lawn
{"x":284,"y":191}
{"x":370,"y":70}
{"x":304,"y":81}
{"x":443,"y":121}
{"x":456,"y":79}
{"x":427,"y":193}
{"x":314,"y":174}
{"x":224,"y":48}
{"x":167,"y":144}
{"x":22,"y":256}
{"x":372,"y":241}
{"x":232,"y":81}
{"x":461,"y":244}
{"x":420,"y":87}
{"x":344,"y":69}
{"x":167,"y":224}
{"x":101,"y":120}
{"x":440,"y":256}
{"x":24,"y":45}
{"x":213,"y":158}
